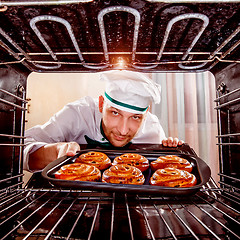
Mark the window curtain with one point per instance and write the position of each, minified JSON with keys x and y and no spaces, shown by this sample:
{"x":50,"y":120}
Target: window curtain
{"x":187,"y":111}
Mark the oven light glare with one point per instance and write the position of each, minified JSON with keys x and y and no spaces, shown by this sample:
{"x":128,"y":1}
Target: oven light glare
{"x":121,"y":63}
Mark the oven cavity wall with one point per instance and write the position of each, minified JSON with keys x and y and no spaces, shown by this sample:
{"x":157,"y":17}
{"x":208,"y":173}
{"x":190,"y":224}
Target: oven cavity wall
{"x":12,"y":122}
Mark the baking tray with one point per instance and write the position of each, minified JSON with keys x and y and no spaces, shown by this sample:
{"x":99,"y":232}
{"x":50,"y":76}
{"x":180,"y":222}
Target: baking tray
{"x":200,"y":170}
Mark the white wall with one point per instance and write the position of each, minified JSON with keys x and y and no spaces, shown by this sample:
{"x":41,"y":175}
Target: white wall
{"x":49,"y":92}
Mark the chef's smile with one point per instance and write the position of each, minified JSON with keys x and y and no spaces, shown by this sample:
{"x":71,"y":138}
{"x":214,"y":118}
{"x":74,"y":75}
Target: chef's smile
{"x":118,"y":137}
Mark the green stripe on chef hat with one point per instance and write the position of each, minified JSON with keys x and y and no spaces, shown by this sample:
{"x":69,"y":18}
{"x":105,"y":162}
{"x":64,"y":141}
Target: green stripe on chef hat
{"x":125,"y":105}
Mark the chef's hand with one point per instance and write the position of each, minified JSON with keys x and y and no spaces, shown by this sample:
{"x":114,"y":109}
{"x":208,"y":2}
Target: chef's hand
{"x":172,"y":142}
{"x":69,"y":149}
{"x":50,"y":152}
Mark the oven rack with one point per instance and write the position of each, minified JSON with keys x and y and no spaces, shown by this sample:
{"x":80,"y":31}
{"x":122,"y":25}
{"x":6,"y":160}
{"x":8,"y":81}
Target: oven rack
{"x":207,"y":215}
{"x":227,"y":102}
{"x":13,"y":105}
{"x":156,"y":60}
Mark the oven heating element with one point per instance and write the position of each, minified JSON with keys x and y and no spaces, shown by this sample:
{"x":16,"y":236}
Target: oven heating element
{"x":137,"y":58}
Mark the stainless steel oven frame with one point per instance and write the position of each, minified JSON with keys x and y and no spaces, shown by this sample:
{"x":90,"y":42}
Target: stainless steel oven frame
{"x":38,"y":210}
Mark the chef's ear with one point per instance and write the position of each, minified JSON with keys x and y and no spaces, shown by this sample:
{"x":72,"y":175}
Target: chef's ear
{"x":145,"y":114}
{"x":100,"y":103}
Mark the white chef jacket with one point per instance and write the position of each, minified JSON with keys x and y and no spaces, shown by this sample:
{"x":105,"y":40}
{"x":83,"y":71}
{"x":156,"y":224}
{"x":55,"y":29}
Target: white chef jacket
{"x":81,"y":118}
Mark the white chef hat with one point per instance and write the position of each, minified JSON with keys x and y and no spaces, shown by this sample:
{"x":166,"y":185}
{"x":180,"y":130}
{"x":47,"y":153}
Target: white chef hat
{"x":130,"y":91}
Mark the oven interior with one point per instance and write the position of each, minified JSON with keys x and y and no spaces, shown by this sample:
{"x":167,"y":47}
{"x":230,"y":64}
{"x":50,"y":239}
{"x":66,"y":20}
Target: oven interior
{"x":94,"y":36}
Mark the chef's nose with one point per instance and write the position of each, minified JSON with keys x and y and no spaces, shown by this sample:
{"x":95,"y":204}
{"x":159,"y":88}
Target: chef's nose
{"x":123,"y":126}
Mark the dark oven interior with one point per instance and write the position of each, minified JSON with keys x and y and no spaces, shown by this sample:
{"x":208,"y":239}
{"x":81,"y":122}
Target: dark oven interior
{"x":94,"y":36}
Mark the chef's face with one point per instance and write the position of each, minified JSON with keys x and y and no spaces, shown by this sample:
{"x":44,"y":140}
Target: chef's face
{"x":119,"y":126}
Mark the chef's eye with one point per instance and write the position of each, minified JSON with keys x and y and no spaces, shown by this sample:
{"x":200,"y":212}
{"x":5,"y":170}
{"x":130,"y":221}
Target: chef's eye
{"x":115,"y":113}
{"x":136,"y":117}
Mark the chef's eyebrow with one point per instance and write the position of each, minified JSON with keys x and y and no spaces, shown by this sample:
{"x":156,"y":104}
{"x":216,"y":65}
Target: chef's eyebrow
{"x":120,"y":111}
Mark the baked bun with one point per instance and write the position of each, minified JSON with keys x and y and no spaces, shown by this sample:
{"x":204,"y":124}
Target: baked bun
{"x":171,"y":161}
{"x":78,"y":171}
{"x":132,"y":159}
{"x":97,"y":159}
{"x":172,"y":177}
{"x":123,"y":174}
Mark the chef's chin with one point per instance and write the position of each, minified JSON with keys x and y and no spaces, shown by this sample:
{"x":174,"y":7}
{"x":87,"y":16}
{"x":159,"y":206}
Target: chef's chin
{"x":117,"y":143}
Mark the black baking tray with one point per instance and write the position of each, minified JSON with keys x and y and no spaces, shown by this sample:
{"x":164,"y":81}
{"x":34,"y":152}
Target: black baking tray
{"x":200,"y":170}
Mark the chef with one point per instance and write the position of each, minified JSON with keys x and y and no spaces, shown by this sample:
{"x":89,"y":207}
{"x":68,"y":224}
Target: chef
{"x":116,"y":119}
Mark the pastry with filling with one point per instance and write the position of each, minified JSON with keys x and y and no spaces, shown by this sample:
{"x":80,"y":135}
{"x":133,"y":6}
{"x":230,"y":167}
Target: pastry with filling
{"x":78,"y":171}
{"x":172,"y":177}
{"x":171,"y":161}
{"x":132,"y":159}
{"x":123,"y":174}
{"x":97,"y":159}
